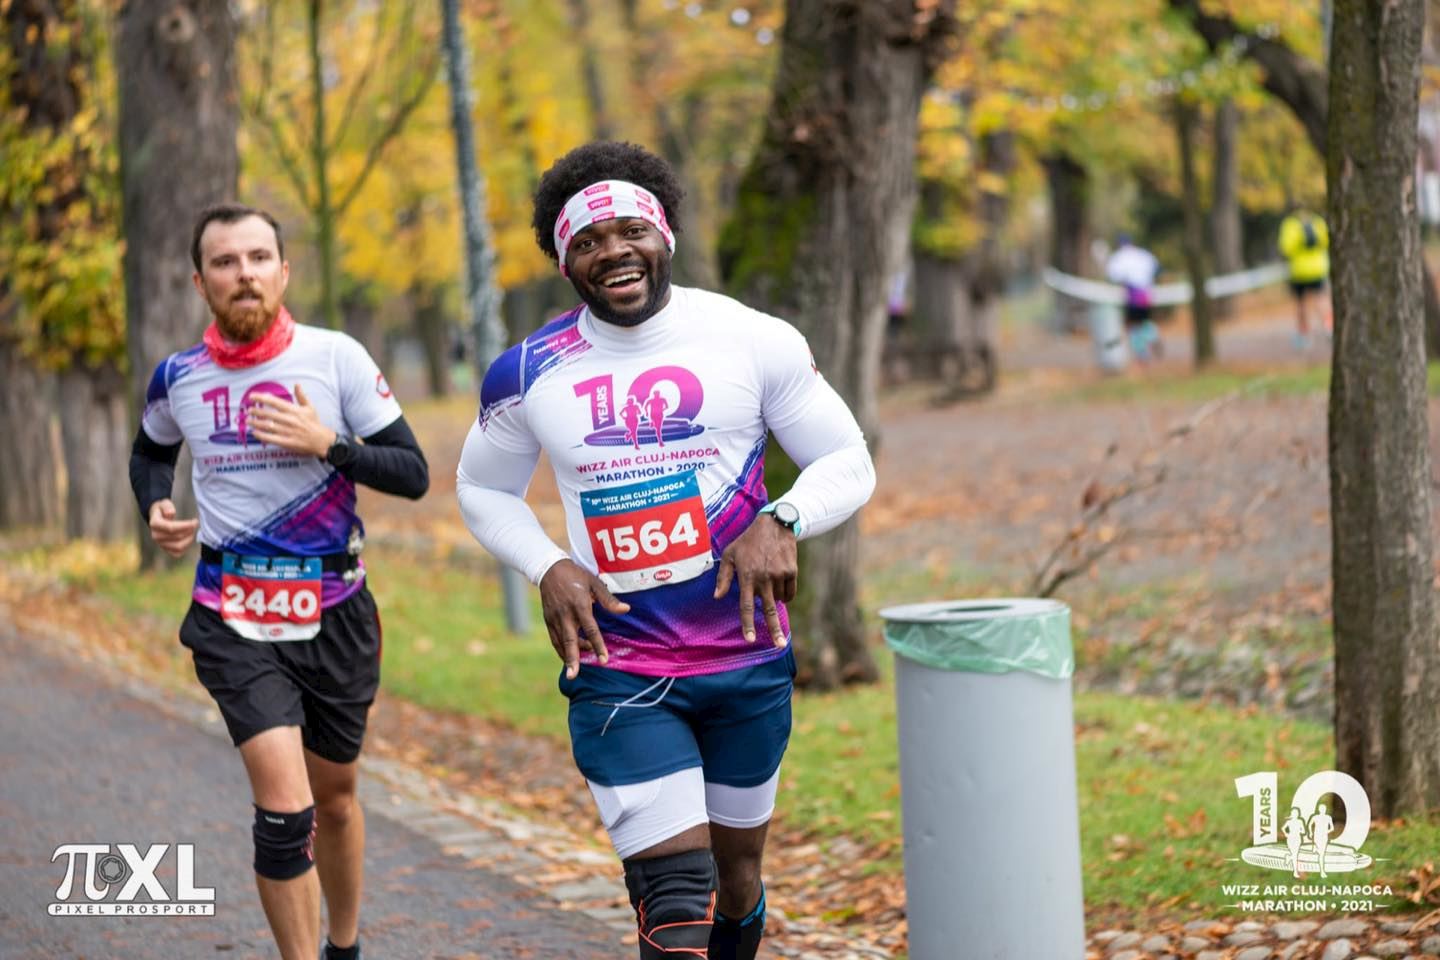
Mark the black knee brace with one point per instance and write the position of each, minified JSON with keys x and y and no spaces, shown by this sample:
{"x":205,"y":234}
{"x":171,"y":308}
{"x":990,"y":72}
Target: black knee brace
{"x":284,"y":843}
{"x":738,"y":939}
{"x":674,"y":901}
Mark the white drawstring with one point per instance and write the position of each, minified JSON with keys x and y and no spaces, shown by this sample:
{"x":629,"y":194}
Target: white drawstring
{"x":630,"y":701}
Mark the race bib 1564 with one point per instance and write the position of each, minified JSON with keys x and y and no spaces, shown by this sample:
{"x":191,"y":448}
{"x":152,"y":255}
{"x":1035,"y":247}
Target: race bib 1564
{"x":648,"y":534}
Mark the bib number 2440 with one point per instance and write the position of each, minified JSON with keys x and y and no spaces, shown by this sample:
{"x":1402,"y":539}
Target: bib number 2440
{"x":271,"y":598}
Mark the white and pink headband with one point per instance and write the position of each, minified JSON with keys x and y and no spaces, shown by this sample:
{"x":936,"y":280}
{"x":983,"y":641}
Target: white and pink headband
{"x":608,"y":200}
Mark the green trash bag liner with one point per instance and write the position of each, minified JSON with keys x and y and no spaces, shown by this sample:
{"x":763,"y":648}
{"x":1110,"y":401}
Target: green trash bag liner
{"x":984,"y":636}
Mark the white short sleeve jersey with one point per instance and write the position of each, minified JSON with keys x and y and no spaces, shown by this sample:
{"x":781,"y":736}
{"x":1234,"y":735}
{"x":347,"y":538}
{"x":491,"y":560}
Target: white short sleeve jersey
{"x":255,"y":499}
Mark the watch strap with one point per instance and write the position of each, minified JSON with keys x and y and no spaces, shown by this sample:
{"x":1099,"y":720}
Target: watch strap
{"x":342,"y":451}
{"x":770,"y":509}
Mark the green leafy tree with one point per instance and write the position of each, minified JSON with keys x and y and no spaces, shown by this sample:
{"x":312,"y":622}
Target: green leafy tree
{"x":323,"y":128}
{"x":60,"y":254}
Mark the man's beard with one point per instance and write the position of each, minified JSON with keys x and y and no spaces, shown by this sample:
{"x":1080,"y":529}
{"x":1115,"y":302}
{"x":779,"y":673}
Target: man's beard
{"x":659,"y":287}
{"x":245,"y":324}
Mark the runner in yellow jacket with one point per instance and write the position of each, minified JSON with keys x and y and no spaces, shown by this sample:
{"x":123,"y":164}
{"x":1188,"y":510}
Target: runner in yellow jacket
{"x":1305,"y":244}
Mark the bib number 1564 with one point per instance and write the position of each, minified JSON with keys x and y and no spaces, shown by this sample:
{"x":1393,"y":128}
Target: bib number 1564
{"x":626,"y":543}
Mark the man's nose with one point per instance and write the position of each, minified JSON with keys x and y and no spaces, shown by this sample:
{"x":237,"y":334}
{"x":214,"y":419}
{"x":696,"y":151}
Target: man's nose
{"x":614,"y":245}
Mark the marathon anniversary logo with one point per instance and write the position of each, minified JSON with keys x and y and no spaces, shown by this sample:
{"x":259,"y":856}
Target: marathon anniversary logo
{"x":1301,"y":838}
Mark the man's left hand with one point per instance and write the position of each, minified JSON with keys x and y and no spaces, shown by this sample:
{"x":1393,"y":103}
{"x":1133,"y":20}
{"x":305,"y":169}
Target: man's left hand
{"x":291,"y":426}
{"x":763,"y":560}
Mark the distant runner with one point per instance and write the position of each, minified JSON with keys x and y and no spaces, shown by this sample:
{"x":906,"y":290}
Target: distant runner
{"x":1304,"y":242}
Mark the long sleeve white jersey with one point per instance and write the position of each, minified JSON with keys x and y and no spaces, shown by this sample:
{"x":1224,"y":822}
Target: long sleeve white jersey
{"x":657,"y":436}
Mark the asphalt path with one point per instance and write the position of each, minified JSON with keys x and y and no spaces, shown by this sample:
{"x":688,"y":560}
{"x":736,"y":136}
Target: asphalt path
{"x":83,"y":761}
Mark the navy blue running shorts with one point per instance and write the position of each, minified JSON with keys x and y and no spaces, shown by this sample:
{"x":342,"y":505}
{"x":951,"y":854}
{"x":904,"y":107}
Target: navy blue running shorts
{"x":735,"y":725}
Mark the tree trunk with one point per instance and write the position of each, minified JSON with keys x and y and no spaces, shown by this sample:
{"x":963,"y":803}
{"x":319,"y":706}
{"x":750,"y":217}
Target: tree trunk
{"x":1226,"y":237}
{"x":939,"y":313}
{"x":695,"y":258}
{"x":428,"y":314}
{"x":30,"y":482}
{"x":1069,"y":232}
{"x":324,"y":212}
{"x":821,"y":226}
{"x":986,"y":271}
{"x":1186,"y":120}
{"x":92,"y":432}
{"x":601,"y":124}
{"x":175,"y":66}
{"x":361,"y":320}
{"x":484,"y":297}
{"x":1387,"y":661}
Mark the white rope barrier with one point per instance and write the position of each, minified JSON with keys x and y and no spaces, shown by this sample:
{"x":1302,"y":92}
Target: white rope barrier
{"x":1164,"y":294}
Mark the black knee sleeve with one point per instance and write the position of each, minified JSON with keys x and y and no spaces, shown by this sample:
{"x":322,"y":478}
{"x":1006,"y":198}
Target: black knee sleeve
{"x":284,"y":843}
{"x":674,"y":901}
{"x":738,"y":939}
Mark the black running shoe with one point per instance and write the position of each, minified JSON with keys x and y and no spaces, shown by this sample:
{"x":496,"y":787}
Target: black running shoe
{"x":332,"y":952}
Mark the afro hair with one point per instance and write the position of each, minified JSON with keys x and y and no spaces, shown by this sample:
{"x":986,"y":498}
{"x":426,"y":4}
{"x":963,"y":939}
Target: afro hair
{"x":591,"y":163}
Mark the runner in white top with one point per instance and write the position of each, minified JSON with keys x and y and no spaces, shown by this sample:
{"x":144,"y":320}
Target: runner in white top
{"x":652,"y":403}
{"x":659,"y":516}
{"x":285,"y":635}
{"x":258,"y":499}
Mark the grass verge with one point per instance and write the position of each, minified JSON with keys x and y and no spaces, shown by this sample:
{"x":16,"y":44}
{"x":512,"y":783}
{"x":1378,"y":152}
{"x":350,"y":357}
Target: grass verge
{"x":1198,"y":387}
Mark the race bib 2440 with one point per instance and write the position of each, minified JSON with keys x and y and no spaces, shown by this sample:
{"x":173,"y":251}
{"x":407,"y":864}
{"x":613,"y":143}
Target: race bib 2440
{"x":271,"y":598}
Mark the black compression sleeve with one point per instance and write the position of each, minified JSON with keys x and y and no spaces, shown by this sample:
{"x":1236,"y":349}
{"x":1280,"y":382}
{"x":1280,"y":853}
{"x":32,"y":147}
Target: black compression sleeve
{"x":391,"y":461}
{"x":152,"y":471}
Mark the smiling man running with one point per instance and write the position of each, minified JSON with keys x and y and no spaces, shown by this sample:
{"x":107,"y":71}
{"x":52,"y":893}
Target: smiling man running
{"x":679,"y":716}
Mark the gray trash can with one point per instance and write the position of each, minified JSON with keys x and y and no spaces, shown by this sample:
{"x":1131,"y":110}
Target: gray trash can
{"x":987,"y":779}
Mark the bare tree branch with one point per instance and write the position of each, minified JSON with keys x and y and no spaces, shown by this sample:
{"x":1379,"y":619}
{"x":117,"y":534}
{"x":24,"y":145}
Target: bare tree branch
{"x":358,"y":87}
{"x":257,"y":108}
{"x":288,"y":161}
{"x":1088,"y":540}
{"x":391,"y":130}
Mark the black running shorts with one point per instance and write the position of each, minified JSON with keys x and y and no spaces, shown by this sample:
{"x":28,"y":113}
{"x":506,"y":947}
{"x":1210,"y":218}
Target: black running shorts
{"x":324,"y":686}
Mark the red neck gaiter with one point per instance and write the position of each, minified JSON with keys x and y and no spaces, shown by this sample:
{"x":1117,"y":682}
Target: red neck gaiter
{"x":271,"y":344}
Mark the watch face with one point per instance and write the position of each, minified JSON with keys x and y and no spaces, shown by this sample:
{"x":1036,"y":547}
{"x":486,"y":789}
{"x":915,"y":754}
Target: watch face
{"x":787,"y":514}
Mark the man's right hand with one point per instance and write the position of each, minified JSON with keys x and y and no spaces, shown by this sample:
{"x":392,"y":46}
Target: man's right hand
{"x":568,"y":594}
{"x":171,"y":535}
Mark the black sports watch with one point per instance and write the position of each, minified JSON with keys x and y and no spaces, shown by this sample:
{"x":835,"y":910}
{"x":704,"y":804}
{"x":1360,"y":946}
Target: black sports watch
{"x":785,"y":514}
{"x":341,"y":452}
